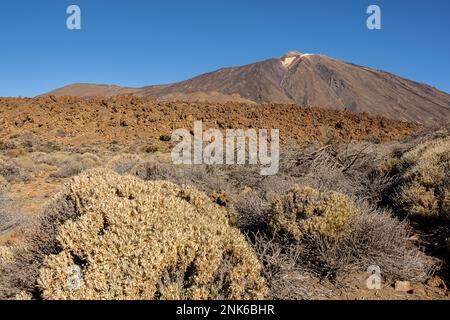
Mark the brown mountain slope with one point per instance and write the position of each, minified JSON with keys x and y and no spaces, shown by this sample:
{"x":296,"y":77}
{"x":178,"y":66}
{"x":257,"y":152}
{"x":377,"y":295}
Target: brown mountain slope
{"x":92,"y":90}
{"x":304,"y":79}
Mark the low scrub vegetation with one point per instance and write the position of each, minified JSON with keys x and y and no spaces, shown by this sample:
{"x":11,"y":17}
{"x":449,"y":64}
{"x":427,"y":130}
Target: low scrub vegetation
{"x":139,"y":227}
{"x":13,"y":172}
{"x":425,"y":188}
{"x":136,"y":240}
{"x":307,"y":211}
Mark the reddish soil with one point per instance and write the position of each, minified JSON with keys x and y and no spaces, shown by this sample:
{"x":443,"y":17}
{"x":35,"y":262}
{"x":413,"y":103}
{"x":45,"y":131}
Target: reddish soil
{"x":77,"y":121}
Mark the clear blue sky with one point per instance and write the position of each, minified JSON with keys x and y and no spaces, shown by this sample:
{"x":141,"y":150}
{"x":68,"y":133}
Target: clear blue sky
{"x":137,"y":42}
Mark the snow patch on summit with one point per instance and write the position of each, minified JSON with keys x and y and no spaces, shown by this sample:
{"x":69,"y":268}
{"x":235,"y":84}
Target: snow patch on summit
{"x":288,"y":61}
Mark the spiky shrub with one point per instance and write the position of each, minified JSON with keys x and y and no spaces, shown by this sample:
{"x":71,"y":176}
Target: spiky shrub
{"x":304,"y":210}
{"x":147,"y":240}
{"x":425,"y":188}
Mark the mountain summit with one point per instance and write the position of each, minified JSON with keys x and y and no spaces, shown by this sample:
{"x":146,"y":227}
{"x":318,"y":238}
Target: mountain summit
{"x":303,"y":79}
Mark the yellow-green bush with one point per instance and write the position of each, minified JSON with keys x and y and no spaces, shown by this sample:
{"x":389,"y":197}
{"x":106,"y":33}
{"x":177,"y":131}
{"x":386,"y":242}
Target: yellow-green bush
{"x":305,"y":210}
{"x":148,"y":240}
{"x":425,"y":191}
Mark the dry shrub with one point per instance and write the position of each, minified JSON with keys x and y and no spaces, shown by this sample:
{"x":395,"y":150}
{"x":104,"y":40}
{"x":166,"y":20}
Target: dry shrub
{"x":376,"y":238}
{"x":209,"y":179}
{"x":136,"y":240}
{"x":223,"y":199}
{"x":10,"y":218}
{"x":305,"y":210}
{"x":223,"y":181}
{"x":124,"y":163}
{"x":7,"y":145}
{"x":69,"y":169}
{"x":205,"y":178}
{"x":56,"y":159}
{"x":67,"y":164}
{"x":425,"y":188}
{"x":345,"y":168}
{"x":88,"y":160}
{"x":251,"y":210}
{"x":12,"y":172}
{"x":23,"y":296}
{"x":47,"y":168}
{"x":3,"y":185}
{"x":152,"y":171}
{"x":7,"y":218}
{"x":25,"y":162}
{"x":285,"y":270}
{"x":150,"y":149}
{"x":6,"y":254}
{"x":40,"y":242}
{"x":29,"y":142}
{"x":327,"y":235}
{"x":12,"y":223}
{"x":14,"y":153}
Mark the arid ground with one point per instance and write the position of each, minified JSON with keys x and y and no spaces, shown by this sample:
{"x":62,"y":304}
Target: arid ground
{"x":78,"y":175}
